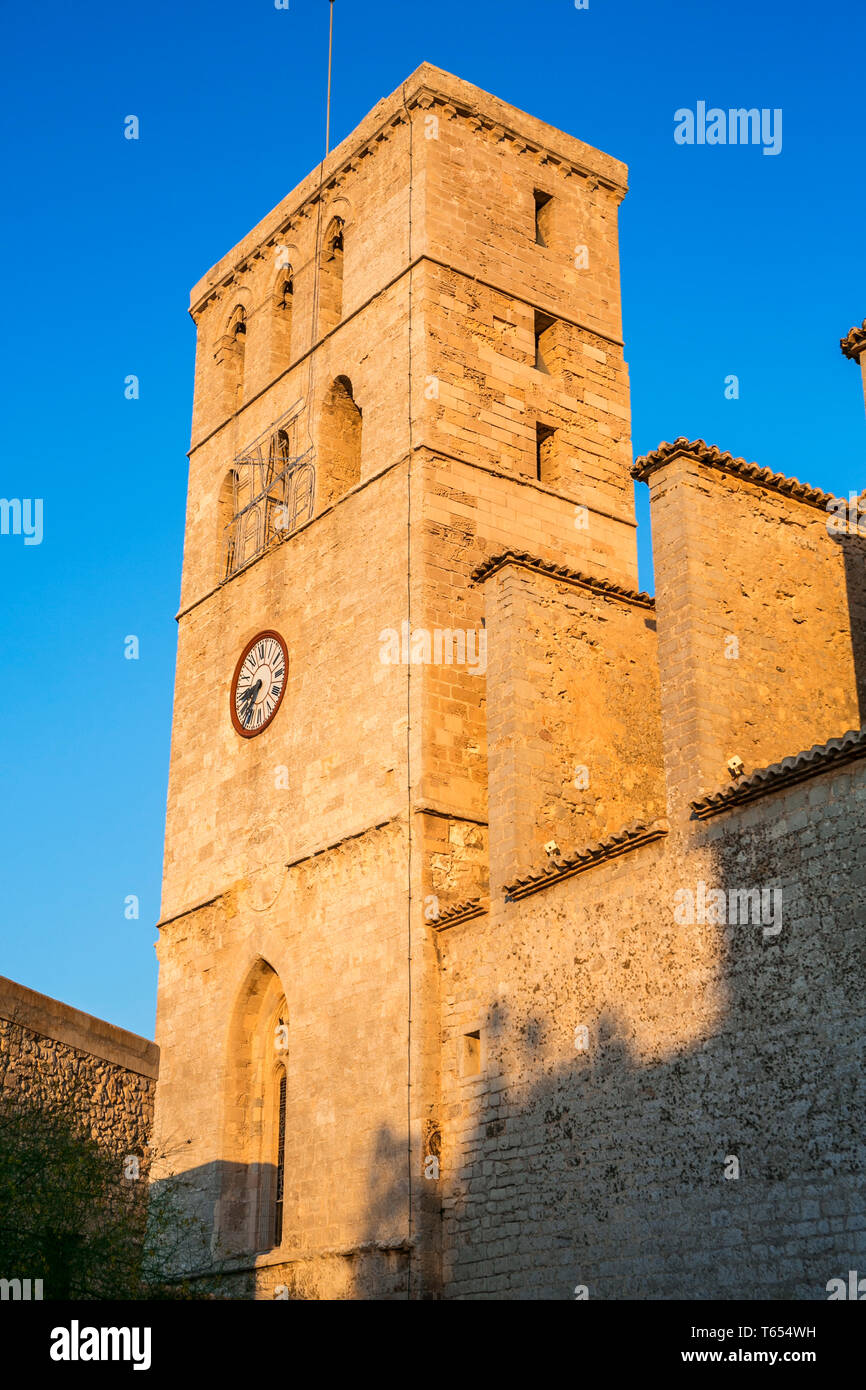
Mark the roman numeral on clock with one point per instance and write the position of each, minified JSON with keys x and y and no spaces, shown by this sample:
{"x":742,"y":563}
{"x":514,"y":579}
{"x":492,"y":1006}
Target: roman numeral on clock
{"x":259,"y":684}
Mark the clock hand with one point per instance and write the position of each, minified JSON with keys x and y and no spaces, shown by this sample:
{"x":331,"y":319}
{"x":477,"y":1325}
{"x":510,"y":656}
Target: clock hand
{"x":250,"y":697}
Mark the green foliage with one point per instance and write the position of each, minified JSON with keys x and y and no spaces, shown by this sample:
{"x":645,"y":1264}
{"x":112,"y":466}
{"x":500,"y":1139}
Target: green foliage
{"x":69,"y":1216}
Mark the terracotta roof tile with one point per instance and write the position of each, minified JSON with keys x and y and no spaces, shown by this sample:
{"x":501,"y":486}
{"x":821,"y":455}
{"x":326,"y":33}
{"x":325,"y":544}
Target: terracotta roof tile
{"x":854,"y":342}
{"x":459,"y":912}
{"x":630,"y":837}
{"x":795,"y":769}
{"x":562,"y":573}
{"x":713,"y":457}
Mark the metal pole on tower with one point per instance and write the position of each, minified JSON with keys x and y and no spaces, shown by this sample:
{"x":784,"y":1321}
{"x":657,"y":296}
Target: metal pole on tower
{"x":330,"y":52}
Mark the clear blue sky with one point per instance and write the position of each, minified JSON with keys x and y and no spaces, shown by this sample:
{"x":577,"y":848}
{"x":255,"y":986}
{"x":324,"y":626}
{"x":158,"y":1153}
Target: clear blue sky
{"x":732,"y":262}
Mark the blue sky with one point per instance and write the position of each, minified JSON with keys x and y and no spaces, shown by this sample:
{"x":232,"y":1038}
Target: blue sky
{"x":733,"y":262}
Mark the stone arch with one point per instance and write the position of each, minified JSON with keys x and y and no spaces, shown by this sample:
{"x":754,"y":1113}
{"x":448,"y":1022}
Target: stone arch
{"x":226,"y":542}
{"x":339,"y":450}
{"x":331,"y":276}
{"x":229,"y":356}
{"x":282,"y":314}
{"x":255,"y":1059}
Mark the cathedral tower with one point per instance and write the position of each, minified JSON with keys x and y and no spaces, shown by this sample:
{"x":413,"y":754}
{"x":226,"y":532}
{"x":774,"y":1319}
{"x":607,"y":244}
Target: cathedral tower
{"x":408,"y":375}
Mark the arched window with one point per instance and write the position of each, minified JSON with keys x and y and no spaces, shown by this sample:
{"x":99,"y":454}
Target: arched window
{"x":252,"y":1203}
{"x":280,"y":1155}
{"x":229,"y":357}
{"x":279,"y":453}
{"x":274,"y":1189}
{"x":281,"y":320}
{"x":331,"y":277}
{"x":339,"y":452}
{"x":226,"y":539}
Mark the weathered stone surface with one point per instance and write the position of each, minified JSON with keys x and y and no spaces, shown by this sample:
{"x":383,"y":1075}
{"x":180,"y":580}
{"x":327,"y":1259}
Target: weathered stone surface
{"x":50,"y":1052}
{"x":488,"y":1097}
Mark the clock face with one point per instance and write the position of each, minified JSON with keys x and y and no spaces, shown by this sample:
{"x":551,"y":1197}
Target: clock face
{"x":258,"y":684}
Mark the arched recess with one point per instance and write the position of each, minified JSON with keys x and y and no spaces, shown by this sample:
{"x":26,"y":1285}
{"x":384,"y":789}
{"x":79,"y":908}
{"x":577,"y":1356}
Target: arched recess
{"x":339,"y":451}
{"x":226,"y":541}
{"x":229,"y":358}
{"x":256,"y":1079}
{"x":282,"y":307}
{"x":331,"y":276}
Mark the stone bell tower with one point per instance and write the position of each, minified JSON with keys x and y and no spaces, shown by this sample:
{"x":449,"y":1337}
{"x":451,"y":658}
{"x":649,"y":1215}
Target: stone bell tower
{"x":412,"y":366}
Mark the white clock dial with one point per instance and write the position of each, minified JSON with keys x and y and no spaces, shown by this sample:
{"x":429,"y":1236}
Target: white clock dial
{"x":259,"y":684}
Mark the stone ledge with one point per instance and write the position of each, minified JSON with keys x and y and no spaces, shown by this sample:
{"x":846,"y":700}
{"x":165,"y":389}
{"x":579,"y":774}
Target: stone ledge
{"x":713,"y":457}
{"x":854,"y":342}
{"x":631,"y":837}
{"x":39,"y":1013}
{"x":274,"y":1259}
{"x":798,"y":768}
{"x":562,"y":574}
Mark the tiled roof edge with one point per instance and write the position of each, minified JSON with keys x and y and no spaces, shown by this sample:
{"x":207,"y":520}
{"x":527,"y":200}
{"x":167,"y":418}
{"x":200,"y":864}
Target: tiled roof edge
{"x":798,"y":768}
{"x":459,"y":912}
{"x":713,"y":457}
{"x":854,"y":341}
{"x":562,"y":573}
{"x":630,"y":837}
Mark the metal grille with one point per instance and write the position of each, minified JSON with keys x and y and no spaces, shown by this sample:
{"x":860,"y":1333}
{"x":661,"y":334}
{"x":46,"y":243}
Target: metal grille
{"x":273,"y":492}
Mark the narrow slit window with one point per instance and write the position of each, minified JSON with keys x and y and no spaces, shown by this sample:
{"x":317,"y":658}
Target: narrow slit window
{"x":543,"y":324}
{"x":543,"y":212}
{"x":280,"y":1176}
{"x":472,"y":1053}
{"x":544,"y":437}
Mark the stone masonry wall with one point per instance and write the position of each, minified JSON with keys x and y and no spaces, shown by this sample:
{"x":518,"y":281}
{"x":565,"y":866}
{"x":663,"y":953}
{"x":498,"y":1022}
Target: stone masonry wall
{"x":50,"y":1052}
{"x":762,"y":620}
{"x":604,"y":1167}
{"x":574,"y":723}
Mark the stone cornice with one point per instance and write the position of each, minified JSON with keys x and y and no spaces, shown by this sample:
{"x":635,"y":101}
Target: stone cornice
{"x":548,"y":145}
{"x":49,"y":1018}
{"x":854,"y":342}
{"x":562,"y":574}
{"x":798,"y":768}
{"x":631,"y":837}
{"x":426,"y":86}
{"x":712,"y":457}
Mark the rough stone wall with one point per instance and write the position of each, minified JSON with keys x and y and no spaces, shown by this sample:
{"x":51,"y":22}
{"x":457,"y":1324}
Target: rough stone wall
{"x":465,"y":514}
{"x":605,"y":1167}
{"x":762,"y":622}
{"x":51,"y":1052}
{"x":574,"y":723}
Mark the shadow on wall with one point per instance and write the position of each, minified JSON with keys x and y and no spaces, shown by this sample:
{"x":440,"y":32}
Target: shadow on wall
{"x":374,"y":1267}
{"x":731,"y":1169}
{"x":854,"y":558}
